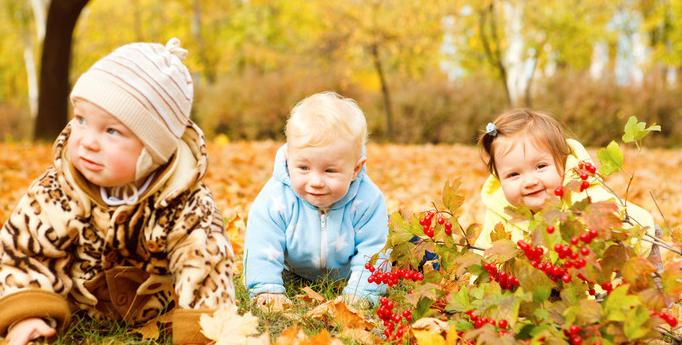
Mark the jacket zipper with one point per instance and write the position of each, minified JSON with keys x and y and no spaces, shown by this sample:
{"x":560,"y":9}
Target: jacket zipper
{"x":323,"y":240}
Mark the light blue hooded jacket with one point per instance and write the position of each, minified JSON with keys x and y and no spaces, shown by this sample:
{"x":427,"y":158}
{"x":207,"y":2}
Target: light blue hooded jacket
{"x":285,"y":231}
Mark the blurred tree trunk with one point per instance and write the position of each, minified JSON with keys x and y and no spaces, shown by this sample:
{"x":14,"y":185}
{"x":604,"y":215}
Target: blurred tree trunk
{"x":492,"y":50}
{"x":374,"y":50}
{"x":197,"y":31}
{"x":54,"y":68}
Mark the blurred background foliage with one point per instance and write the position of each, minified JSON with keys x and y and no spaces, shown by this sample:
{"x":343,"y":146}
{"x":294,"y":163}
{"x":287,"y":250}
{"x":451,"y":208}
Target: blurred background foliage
{"x":422,"y":70}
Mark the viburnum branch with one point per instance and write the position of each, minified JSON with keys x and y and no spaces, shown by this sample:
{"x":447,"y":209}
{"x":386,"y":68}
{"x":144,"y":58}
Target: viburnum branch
{"x":661,"y":243}
{"x":659,"y":211}
{"x":663,"y":331}
{"x":467,"y":245}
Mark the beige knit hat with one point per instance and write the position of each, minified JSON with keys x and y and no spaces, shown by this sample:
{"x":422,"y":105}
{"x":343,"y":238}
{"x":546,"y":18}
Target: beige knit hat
{"x":147,"y":88}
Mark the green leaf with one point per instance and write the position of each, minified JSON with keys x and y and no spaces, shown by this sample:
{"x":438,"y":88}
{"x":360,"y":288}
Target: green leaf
{"x":502,"y":251}
{"x":671,"y":279}
{"x":459,"y":301}
{"x":611,"y":159}
{"x":618,"y":303}
{"x":451,"y":199}
{"x":635,"y":326}
{"x":636,"y":131}
{"x":467,"y":260}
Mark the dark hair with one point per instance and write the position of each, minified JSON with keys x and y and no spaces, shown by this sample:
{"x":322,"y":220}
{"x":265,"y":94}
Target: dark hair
{"x":542,"y":128}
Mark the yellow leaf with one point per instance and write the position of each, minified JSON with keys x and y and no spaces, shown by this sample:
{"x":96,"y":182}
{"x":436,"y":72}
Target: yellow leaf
{"x":428,"y":338}
{"x":227,"y":327}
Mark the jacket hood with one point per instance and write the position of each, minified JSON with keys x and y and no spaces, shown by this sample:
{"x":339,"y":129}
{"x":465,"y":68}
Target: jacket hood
{"x":186,"y":167}
{"x":281,"y":173}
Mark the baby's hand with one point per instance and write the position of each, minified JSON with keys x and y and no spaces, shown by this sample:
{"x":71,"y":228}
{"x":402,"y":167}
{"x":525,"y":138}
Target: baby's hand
{"x":353,"y":301}
{"x":272,"y":302}
{"x":27,"y":330}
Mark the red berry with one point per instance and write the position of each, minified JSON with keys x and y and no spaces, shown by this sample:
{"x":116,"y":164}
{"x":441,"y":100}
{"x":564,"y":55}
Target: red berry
{"x":593,"y":233}
{"x":590,"y":167}
{"x":502,"y":323}
{"x":577,"y":340}
{"x":523,"y":245}
{"x":607,"y":286}
{"x":584,"y":176}
{"x":550,"y":229}
{"x":585,"y":237}
{"x":672,"y":321}
{"x":559,"y":191}
{"x":580,"y":263}
{"x":441,"y":220}
{"x":584,"y":185}
{"x":574,"y":240}
{"x":581,"y":165}
{"x":574,"y":329}
{"x":584,"y":251}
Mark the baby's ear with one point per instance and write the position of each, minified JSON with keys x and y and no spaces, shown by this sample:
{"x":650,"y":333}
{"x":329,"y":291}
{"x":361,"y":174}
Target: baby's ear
{"x":358,"y":167}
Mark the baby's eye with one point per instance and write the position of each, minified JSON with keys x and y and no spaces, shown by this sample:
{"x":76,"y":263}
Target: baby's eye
{"x":80,"y":120}
{"x":303,"y":167}
{"x":513,"y":174}
{"x":330,"y":171}
{"x":113,"y":131}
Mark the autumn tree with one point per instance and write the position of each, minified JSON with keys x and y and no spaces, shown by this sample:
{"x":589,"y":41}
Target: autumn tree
{"x":54,"y":73}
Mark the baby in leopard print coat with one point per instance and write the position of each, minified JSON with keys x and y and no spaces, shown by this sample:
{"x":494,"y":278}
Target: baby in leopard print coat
{"x":120,"y":226}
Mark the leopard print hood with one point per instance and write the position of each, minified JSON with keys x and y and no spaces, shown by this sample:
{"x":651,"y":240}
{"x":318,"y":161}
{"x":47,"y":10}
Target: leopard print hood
{"x":186,"y":167}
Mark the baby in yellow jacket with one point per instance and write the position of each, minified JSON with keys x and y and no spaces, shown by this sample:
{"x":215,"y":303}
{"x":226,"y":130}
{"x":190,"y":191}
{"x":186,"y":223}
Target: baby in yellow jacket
{"x":528,"y":156}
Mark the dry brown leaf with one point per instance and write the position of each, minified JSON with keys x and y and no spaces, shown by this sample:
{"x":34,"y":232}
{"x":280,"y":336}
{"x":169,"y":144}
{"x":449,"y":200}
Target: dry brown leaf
{"x":150,"y":330}
{"x":337,"y":311}
{"x":292,"y":336}
{"x":311,"y":296}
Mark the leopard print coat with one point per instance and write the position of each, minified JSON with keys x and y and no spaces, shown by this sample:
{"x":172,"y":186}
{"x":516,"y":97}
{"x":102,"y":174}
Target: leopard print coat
{"x":63,"y":249}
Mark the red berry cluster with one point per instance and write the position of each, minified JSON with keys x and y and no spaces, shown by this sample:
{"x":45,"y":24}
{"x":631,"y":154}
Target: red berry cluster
{"x":393,"y":319}
{"x":584,"y":175}
{"x":429,"y":229}
{"x":573,"y":334}
{"x":532,"y":253}
{"x":480,"y":321}
{"x":506,"y":280}
{"x":391,"y":278}
{"x":671,"y":320}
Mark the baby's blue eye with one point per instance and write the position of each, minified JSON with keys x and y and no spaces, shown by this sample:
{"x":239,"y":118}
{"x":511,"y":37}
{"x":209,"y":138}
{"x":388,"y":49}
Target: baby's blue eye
{"x":80,"y":120}
{"x":113,"y":131}
{"x":303,"y":167}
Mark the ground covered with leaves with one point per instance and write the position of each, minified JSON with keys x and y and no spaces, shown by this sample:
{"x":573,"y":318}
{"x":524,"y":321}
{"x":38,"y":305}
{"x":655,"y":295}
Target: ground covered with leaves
{"x":412,"y":178}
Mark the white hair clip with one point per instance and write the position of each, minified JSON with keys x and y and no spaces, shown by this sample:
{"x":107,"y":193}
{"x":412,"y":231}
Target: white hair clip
{"x":491,"y":129}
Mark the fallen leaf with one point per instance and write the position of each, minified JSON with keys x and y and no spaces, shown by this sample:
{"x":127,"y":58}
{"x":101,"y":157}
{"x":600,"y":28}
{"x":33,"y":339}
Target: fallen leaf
{"x":311,"y":296}
{"x":227,"y":327}
{"x":337,"y":311}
